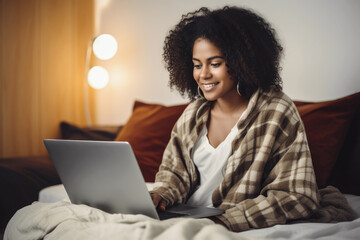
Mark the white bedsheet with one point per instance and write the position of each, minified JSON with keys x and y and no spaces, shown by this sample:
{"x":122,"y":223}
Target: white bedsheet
{"x":62,"y":220}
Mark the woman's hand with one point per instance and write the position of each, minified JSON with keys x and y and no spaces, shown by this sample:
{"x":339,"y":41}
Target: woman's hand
{"x":158,"y":201}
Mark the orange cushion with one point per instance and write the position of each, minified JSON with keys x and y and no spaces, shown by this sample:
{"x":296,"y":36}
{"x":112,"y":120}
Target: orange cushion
{"x":326,"y":125}
{"x":148,"y":131}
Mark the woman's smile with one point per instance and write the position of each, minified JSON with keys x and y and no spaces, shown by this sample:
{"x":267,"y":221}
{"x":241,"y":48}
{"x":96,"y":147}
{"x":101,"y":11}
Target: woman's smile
{"x":210,"y":71}
{"x":209,"y":86}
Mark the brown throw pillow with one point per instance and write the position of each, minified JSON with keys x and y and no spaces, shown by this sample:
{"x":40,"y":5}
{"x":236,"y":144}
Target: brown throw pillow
{"x":326,"y":125}
{"x":74,"y":132}
{"x":148,"y":131}
{"x":345,"y":174}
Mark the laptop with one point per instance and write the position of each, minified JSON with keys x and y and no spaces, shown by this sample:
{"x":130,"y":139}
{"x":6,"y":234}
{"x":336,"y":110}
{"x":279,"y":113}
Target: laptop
{"x":106,"y":175}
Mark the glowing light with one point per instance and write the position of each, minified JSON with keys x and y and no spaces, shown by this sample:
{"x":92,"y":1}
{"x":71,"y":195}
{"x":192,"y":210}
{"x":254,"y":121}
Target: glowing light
{"x":98,"y":77}
{"x":105,"y":46}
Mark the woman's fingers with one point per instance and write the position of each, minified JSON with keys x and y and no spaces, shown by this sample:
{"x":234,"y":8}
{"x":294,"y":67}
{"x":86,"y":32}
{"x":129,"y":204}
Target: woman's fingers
{"x":162,"y":205}
{"x":158,"y":201}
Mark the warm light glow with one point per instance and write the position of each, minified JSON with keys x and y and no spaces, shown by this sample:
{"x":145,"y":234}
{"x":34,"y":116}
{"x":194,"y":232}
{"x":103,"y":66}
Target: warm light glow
{"x":98,"y":77}
{"x":105,"y":46}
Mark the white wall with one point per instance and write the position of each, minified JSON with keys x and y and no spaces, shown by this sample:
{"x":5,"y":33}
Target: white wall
{"x":321,"y":40}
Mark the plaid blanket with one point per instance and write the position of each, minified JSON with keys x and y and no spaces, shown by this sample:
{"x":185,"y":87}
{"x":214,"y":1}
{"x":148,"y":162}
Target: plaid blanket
{"x":269,"y":177}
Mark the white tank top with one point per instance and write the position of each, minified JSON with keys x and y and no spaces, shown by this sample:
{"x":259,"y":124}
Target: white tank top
{"x":210,"y":162}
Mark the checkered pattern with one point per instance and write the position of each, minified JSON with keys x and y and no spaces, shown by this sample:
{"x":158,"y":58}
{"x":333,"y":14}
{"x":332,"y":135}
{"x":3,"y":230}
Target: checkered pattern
{"x":269,"y":177}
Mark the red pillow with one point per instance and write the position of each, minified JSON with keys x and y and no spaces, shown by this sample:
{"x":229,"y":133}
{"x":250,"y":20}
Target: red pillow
{"x":148,"y":131}
{"x":326,"y":125}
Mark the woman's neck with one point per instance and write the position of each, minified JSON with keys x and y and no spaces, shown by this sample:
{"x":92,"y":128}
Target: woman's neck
{"x":234,"y":105}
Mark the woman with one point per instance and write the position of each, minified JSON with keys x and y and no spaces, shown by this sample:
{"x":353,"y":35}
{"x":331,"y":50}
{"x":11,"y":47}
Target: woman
{"x":240,"y":145}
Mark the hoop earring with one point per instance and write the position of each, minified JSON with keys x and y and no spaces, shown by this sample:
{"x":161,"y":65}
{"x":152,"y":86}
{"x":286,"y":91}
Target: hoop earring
{"x":200,"y":93}
{"x":237,"y":89}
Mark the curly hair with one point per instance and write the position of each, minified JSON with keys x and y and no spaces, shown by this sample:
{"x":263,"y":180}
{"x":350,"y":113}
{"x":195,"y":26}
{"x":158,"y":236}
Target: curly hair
{"x":252,"y":52}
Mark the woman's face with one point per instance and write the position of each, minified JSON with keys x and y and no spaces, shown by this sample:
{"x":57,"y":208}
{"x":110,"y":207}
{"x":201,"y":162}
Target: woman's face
{"x":210,"y":71}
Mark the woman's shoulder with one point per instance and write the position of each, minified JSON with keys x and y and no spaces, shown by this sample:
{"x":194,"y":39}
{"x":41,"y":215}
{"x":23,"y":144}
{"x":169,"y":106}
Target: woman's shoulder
{"x":196,"y":107}
{"x":277,"y":97}
{"x":276,"y":100}
{"x":196,"y":103}
{"x":277,"y":104}
{"x":193,"y":112}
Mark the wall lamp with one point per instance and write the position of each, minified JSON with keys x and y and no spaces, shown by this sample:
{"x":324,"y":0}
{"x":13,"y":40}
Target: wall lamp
{"x":104,"y":47}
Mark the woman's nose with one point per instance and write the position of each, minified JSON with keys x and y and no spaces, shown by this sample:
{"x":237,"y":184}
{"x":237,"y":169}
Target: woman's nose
{"x":205,"y":72}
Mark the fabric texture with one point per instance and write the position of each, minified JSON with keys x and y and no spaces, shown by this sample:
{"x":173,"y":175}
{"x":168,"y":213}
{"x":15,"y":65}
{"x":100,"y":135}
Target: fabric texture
{"x":327,"y":124}
{"x":210,"y":164}
{"x":333,"y":207}
{"x":269,"y":177}
{"x":63,"y":220}
{"x":148,"y":131}
{"x":21,"y":179}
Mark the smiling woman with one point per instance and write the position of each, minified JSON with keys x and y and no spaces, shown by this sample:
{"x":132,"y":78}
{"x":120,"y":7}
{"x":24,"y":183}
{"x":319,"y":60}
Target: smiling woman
{"x":216,"y":84}
{"x":240,"y":145}
{"x":247,"y":43}
{"x":210,"y":71}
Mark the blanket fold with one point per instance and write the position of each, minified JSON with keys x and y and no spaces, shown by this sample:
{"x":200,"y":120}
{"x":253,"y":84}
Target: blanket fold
{"x":63,"y":220}
{"x":333,"y":208}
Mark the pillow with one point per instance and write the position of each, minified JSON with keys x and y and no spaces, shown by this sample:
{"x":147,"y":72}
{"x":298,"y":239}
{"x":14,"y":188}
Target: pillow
{"x":148,"y":131}
{"x":73,"y":132}
{"x":326,"y":125}
{"x":345,"y":174}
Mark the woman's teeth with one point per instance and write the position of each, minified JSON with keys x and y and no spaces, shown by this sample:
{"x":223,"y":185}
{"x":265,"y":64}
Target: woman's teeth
{"x":206,"y":86}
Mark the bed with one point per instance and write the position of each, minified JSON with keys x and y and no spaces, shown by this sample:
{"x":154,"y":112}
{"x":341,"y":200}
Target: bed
{"x":333,"y":131}
{"x":58,"y":219}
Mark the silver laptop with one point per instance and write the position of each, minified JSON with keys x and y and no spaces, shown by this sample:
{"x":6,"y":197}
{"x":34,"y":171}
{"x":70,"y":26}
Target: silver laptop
{"x":106,"y":175}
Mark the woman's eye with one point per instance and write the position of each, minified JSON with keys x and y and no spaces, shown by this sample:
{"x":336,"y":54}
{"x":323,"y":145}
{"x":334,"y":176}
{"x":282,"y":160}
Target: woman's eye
{"x":197,"y":66}
{"x":215,"y":64}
